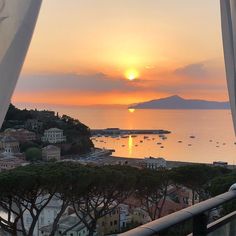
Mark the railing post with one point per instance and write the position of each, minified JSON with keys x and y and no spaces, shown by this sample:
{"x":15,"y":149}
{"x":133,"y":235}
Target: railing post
{"x":200,"y":225}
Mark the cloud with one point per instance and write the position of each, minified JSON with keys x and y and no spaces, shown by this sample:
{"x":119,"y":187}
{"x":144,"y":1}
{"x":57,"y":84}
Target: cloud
{"x":197,"y":70}
{"x":98,"y":82}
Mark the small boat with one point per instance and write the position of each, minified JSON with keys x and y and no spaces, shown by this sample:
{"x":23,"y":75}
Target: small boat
{"x":133,"y":136}
{"x":136,"y":145}
{"x":210,"y":140}
{"x":159,"y":143}
{"x":224,"y":144}
{"x":145,"y":137}
{"x":123,"y":145}
{"x":217,"y":146}
{"x":180,"y":141}
{"x":192,"y":136}
{"x":161,"y":146}
{"x":124,"y":136}
{"x":141,"y":141}
{"x":189,"y":145}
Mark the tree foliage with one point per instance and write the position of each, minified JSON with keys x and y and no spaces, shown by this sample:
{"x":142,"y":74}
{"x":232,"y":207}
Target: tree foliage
{"x":33,"y":154}
{"x":94,"y":192}
{"x":152,"y":191}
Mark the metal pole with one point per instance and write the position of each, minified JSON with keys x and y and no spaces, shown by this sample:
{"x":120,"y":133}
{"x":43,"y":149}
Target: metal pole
{"x":200,"y":225}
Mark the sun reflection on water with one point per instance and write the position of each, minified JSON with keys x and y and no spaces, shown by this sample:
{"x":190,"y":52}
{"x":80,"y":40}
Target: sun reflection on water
{"x":130,"y":145}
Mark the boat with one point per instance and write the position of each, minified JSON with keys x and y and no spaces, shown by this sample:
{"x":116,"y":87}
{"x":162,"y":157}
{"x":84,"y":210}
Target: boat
{"x":192,"y":136}
{"x":124,"y":136}
{"x":159,"y":143}
{"x":145,"y":137}
{"x":189,"y":145}
{"x":161,"y":146}
{"x":133,"y":136}
{"x":141,"y":141}
{"x":180,"y":141}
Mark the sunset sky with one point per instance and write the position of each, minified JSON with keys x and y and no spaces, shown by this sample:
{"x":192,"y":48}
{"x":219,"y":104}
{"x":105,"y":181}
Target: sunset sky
{"x":87,"y":52}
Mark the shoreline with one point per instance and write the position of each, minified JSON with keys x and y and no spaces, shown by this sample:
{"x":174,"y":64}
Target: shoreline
{"x":170,"y":164}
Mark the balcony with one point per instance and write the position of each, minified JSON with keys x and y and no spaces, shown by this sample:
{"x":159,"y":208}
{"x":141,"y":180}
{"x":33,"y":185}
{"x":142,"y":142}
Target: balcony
{"x":193,"y":221}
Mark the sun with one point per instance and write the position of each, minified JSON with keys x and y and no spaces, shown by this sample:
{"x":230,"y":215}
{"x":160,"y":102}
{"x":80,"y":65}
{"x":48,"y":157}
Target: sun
{"x":131,"y":74}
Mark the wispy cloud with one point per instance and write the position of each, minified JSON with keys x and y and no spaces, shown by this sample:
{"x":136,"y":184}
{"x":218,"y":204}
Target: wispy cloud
{"x":197,"y":70}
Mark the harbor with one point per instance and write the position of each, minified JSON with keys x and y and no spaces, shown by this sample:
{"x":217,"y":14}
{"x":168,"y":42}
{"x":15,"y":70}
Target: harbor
{"x":117,"y":131}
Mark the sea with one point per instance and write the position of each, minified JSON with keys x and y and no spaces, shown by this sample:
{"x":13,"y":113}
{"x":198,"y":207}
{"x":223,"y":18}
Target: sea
{"x":201,"y":136}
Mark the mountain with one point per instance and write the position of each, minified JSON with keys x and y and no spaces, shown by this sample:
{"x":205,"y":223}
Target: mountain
{"x":177,"y":102}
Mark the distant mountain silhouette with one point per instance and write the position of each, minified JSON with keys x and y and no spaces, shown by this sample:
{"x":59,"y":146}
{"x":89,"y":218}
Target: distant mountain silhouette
{"x":177,"y":102}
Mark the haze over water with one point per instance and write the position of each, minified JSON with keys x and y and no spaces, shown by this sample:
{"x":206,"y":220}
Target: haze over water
{"x":205,"y":125}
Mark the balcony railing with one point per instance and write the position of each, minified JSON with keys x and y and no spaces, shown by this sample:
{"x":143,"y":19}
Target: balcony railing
{"x":225,"y":226}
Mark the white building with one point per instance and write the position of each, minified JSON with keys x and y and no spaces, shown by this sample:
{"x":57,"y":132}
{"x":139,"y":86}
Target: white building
{"x":155,"y":163}
{"x":46,"y":217}
{"x":53,"y":135}
{"x":125,"y":217}
{"x":10,"y":146}
{"x":65,"y":224}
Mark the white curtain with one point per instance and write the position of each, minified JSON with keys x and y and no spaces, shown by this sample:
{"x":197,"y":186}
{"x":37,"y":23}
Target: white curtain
{"x":17,"y":22}
{"x":228,"y":20}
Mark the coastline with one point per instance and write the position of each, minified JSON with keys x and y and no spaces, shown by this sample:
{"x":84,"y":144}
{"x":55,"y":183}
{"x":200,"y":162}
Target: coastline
{"x":137,"y":162}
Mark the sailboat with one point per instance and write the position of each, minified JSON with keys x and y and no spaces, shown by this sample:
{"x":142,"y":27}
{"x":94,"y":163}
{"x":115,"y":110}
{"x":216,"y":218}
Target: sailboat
{"x":17,"y":23}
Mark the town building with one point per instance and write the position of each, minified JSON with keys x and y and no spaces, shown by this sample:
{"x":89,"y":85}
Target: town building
{"x":53,"y":135}
{"x":110,"y":223}
{"x":139,"y":216}
{"x":51,"y":152}
{"x":10,"y":147}
{"x":11,"y":163}
{"x":47,"y":216}
{"x":155,"y":163}
{"x":22,"y":135}
{"x":125,"y":217}
{"x":64,"y":224}
{"x":220,"y":163}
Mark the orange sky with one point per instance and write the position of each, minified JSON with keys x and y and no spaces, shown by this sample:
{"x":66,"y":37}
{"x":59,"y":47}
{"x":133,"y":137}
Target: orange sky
{"x":82,"y":50}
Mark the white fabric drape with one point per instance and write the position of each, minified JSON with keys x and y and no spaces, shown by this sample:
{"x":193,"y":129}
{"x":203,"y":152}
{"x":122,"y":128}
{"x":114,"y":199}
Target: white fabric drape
{"x":17,"y":22}
{"x":228,"y":21}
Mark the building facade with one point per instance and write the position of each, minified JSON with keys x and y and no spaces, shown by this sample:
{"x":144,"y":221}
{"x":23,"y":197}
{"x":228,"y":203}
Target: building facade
{"x":51,"y":152}
{"x":22,"y":135}
{"x":154,"y":163}
{"x":53,"y":135}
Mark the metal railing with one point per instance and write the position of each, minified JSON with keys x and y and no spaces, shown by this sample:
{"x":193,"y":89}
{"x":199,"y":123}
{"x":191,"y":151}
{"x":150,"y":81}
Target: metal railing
{"x":196,"y":213}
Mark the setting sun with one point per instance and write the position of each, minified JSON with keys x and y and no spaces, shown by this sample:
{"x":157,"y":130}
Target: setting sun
{"x":131,"y":74}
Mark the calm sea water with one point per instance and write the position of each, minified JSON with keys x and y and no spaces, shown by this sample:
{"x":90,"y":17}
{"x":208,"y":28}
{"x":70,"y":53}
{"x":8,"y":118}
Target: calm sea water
{"x":213,"y":130}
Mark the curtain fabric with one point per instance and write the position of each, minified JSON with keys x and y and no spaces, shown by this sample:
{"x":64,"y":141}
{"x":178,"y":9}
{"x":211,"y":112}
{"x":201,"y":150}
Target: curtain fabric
{"x":228,"y":22}
{"x":17,"y":22}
